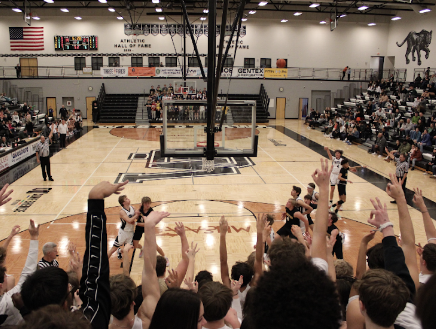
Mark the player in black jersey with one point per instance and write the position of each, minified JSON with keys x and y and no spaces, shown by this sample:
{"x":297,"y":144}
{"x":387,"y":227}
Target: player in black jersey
{"x":292,"y":217}
{"x":332,"y":228}
{"x":145,"y":210}
{"x":343,"y":180}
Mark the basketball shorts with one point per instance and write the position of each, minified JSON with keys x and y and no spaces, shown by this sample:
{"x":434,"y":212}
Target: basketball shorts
{"x":342,"y":189}
{"x":334,"y":178}
{"x":123,"y":238}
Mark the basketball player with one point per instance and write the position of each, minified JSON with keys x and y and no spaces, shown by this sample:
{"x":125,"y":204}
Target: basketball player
{"x":292,"y":217}
{"x":314,"y":195}
{"x":342,"y":183}
{"x":303,"y":207}
{"x":336,"y":161}
{"x":145,"y":210}
{"x":128,"y":216}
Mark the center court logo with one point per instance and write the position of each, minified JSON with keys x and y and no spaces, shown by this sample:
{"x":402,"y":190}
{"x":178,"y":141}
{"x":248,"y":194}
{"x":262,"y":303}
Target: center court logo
{"x":182,"y":167}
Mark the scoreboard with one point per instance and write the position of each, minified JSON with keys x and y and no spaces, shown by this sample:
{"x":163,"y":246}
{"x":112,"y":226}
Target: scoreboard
{"x":84,"y":42}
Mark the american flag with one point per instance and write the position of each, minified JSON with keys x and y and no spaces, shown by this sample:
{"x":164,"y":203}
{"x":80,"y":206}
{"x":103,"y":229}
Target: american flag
{"x":26,"y":38}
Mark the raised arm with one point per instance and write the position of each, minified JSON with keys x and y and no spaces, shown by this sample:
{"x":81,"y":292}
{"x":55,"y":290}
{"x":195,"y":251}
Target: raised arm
{"x":395,"y":191}
{"x":127,"y":219}
{"x":51,"y":131}
{"x":258,"y":260}
{"x":303,"y":204}
{"x":361,"y":257}
{"x":94,"y":284}
{"x":15,"y":230}
{"x":300,"y":216}
{"x":190,"y":253}
{"x":322,"y":179}
{"x":429,"y":228}
{"x":224,"y":226}
{"x":183,"y":264}
{"x":150,"y":283}
{"x":4,"y":195}
{"x":328,"y":152}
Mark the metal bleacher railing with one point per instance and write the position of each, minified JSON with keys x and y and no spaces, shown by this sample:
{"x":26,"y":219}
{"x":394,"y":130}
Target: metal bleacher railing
{"x":57,"y":72}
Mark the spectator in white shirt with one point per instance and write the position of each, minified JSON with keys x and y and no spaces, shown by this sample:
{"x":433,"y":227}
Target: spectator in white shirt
{"x":63,"y":129}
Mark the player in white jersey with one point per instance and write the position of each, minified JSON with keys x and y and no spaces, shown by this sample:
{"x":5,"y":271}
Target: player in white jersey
{"x":128,"y":217}
{"x":314,"y":195}
{"x":334,"y":177}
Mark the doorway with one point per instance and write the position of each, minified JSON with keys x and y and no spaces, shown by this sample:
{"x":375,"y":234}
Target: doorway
{"x":89,"y":101}
{"x":51,"y":102}
{"x":376,"y":64}
{"x":29,"y":67}
{"x":280,"y":108}
{"x":303,"y":107}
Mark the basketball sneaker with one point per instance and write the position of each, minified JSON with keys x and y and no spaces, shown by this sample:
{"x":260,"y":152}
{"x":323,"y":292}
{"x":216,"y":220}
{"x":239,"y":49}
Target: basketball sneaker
{"x":140,"y":253}
{"x":119,"y":254}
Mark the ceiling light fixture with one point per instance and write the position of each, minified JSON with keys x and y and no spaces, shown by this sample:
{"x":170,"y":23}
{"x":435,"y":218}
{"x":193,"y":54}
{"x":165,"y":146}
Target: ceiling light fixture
{"x":36,"y":18}
{"x":323,"y":22}
{"x":202,"y":18}
{"x":205,"y":11}
{"x":372,"y":24}
{"x":17,"y":10}
{"x":65,"y":10}
{"x":78,"y":18}
{"x":263,"y":3}
{"x":159,"y":10}
{"x":49,"y":1}
{"x":314,"y":5}
{"x":155,"y":1}
{"x":343,"y":15}
{"x":362,"y":7}
{"x":423,"y":11}
{"x":102,"y":1}
{"x":119,"y":17}
{"x":111,"y":10}
{"x":252,"y":12}
{"x":284,"y":20}
{"x":161,"y":18}
{"x":244,"y":19}
{"x":396,"y":18}
{"x":298,"y":13}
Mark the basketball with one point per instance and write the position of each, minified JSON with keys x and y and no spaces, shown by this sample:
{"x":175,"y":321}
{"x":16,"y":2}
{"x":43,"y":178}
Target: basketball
{"x":281,"y":63}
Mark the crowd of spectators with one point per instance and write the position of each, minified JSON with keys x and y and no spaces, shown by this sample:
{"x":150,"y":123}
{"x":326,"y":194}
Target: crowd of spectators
{"x":297,"y":283}
{"x":388,"y":114}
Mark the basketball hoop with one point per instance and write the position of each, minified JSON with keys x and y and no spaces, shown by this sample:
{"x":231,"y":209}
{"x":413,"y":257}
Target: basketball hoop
{"x":208,"y":165}
{"x":185,"y":94}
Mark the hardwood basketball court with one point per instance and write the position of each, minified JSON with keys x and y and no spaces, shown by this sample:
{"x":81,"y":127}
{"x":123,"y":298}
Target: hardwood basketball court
{"x":241,"y":191}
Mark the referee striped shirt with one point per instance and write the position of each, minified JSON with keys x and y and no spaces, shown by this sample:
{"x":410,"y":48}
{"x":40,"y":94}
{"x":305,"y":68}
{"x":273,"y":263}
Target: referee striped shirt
{"x":402,"y":168}
{"x":43,"y":148}
{"x":43,"y":263}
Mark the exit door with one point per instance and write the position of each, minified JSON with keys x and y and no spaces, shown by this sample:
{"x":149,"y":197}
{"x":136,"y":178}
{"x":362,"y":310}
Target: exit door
{"x":280,"y":108}
{"x":51,"y":102}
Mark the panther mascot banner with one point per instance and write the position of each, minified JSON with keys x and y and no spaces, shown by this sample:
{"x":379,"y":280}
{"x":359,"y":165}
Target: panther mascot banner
{"x":417,"y":42}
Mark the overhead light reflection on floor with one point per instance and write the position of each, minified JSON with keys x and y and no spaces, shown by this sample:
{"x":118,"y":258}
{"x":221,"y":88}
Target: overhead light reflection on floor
{"x":214,"y":269}
{"x":75,"y":225}
{"x":16,"y":244}
{"x":210,"y":240}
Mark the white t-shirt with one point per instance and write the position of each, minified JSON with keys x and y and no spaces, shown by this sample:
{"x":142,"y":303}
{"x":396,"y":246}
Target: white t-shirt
{"x":423,"y":278}
{"x":321,"y":264}
{"x":62,"y":128}
{"x":225,"y":327}
{"x":243,"y":295}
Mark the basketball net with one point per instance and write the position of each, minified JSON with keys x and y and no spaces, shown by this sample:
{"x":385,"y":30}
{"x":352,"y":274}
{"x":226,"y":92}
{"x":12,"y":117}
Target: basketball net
{"x":185,"y":94}
{"x":207,"y":165}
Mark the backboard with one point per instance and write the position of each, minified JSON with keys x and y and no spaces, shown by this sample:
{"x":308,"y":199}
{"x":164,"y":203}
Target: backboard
{"x":179,"y":86}
{"x":184,"y":124}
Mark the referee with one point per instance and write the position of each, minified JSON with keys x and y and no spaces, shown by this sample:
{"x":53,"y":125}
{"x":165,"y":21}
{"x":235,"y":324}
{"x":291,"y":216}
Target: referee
{"x":43,"y":155}
{"x":401,"y":170}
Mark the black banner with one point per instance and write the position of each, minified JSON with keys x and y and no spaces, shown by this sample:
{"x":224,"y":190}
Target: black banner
{"x":146,"y":29}
{"x":155,"y":29}
{"x":164,"y":29}
{"x":172,"y":29}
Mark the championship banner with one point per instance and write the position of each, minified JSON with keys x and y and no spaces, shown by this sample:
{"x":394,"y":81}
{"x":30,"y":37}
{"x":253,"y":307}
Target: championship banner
{"x":155,"y":29}
{"x":128,"y":29}
{"x":252,"y":73}
{"x":172,"y":29}
{"x":146,"y":29}
{"x":198,"y":29}
{"x":113,"y":71}
{"x":164,"y":29}
{"x":168,"y":72}
{"x":142,"y":71}
{"x":276,"y":73}
{"x":137,"y":29}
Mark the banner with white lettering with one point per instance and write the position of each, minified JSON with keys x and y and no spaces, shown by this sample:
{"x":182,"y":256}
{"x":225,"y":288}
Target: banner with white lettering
{"x":195,"y":72}
{"x":114,"y":71}
{"x":168,"y":72}
{"x":17,"y":156}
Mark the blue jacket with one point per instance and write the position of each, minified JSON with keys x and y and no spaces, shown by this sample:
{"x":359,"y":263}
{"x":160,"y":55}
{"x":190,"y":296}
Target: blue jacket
{"x":415,"y":135}
{"x":426,"y":139}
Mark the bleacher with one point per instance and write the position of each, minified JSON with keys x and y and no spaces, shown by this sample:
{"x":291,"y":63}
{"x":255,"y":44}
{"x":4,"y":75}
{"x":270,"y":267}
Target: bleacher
{"x":119,"y":108}
{"x":367,"y":144}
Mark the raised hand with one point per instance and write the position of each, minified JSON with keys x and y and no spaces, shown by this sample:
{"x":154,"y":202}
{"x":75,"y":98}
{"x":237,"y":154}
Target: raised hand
{"x":105,"y":189}
{"x":15,"y":230}
{"x":368,"y":237}
{"x":236,"y":285}
{"x":171,"y":280}
{"x":260,"y":223}
{"x":379,"y":215}
{"x":180,"y":228}
{"x":394,"y":188}
{"x":191,"y":252}
{"x":224,"y":226}
{"x":191,"y":285}
{"x":33,"y":230}
{"x":155,"y":217}
{"x":418,"y":200}
{"x":4,"y":195}
{"x":321,"y":177}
